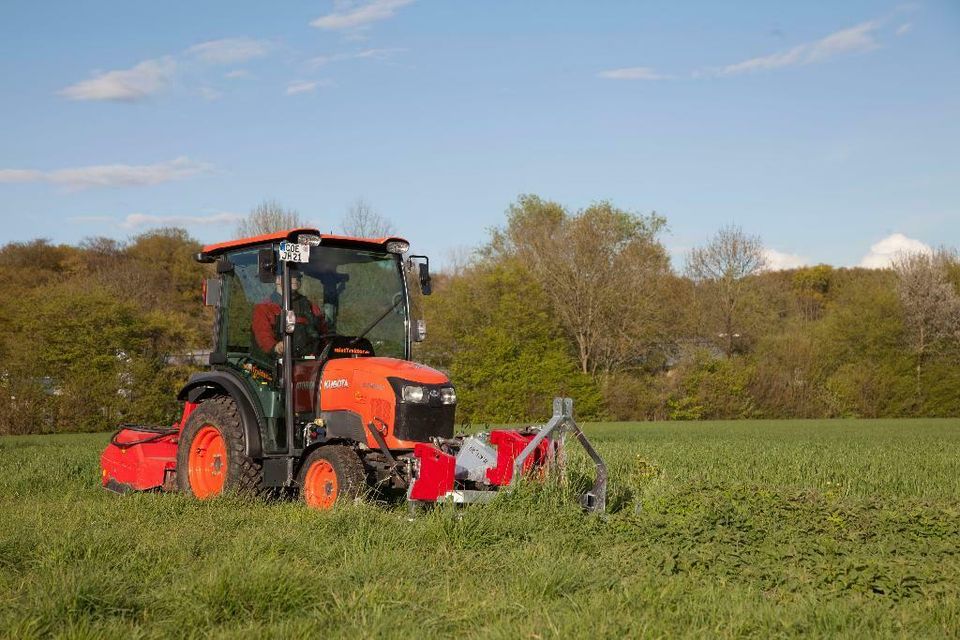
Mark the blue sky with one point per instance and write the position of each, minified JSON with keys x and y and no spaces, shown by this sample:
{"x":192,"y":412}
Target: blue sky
{"x":826,"y":128}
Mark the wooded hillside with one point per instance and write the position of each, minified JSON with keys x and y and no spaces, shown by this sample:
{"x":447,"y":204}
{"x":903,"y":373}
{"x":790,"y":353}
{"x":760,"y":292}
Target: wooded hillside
{"x":582,"y":303}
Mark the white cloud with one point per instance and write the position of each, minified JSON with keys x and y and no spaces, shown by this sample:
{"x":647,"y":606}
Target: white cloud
{"x":140,"y":220}
{"x":780,"y":261}
{"x":125,"y":85}
{"x":353,"y":15}
{"x":855,"y":39}
{"x":111,"y":175}
{"x":137,"y":220}
{"x":631,"y":73}
{"x":904,"y":28}
{"x":154,"y":76}
{"x":229,"y":50}
{"x":10,"y":176}
{"x":301,"y":87}
{"x":377,"y":54}
{"x":884,"y":252}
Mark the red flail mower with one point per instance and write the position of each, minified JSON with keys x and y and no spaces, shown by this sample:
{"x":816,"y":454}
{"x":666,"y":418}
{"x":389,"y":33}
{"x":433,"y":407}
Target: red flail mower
{"x":311,"y":389}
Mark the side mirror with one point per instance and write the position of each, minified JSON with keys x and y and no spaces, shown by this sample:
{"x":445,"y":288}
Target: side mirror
{"x":424,"y":268}
{"x":211,"y":292}
{"x":425,"y":279}
{"x":267,"y":265}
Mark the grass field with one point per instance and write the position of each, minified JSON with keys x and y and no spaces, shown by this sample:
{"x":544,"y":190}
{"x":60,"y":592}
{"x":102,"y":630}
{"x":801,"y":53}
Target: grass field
{"x":763,"y":529}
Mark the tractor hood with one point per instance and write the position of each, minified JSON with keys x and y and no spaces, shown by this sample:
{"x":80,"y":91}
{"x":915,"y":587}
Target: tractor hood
{"x":385,"y":367}
{"x":373,"y":389}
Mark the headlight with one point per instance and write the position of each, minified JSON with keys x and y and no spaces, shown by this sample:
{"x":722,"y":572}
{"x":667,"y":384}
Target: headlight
{"x":413,"y":394}
{"x":448,"y":395}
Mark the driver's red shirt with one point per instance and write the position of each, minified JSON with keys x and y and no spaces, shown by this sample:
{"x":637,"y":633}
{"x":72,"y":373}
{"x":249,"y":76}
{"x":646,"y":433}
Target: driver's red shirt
{"x":265,"y":323}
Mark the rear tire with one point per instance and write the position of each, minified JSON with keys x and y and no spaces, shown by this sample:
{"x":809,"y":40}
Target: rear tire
{"x":211,"y":457}
{"x":331,"y":473}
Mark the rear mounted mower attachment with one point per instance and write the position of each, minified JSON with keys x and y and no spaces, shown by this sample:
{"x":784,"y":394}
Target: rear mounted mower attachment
{"x":471,"y":469}
{"x":140,"y":458}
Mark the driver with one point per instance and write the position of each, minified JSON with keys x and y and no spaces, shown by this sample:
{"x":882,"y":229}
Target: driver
{"x":268,"y":321}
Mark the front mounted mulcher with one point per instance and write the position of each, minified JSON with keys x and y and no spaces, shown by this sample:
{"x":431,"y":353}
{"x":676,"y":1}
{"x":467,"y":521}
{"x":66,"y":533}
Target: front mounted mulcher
{"x":469,"y":469}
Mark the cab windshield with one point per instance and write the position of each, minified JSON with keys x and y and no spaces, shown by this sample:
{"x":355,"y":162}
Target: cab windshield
{"x":359,"y":291}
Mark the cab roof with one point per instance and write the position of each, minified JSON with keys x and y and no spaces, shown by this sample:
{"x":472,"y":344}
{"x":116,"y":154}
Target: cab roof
{"x":212,"y":250}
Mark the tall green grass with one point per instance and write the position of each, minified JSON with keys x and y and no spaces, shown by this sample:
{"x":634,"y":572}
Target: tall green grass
{"x":847,"y":529}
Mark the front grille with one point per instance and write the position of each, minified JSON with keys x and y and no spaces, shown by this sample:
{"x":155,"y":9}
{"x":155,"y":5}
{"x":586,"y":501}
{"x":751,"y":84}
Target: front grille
{"x":420,"y":422}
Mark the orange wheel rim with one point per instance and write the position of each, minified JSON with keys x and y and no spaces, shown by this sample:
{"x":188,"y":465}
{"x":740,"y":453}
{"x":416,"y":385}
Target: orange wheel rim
{"x":208,"y":463}
{"x":320,"y":485}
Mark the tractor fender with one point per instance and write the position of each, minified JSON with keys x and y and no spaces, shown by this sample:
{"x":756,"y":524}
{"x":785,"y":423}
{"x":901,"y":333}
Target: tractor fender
{"x":344,"y":425}
{"x":219,"y":382}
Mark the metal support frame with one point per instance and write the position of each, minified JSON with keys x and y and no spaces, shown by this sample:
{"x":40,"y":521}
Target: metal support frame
{"x":561,"y":423}
{"x":288,"y":413}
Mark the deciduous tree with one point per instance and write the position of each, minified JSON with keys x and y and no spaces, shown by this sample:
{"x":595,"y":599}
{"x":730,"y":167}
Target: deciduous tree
{"x":722,"y":268}
{"x":494,"y":331}
{"x":363,"y":221}
{"x":603,"y":270}
{"x":268,"y":217}
{"x":931,"y":306}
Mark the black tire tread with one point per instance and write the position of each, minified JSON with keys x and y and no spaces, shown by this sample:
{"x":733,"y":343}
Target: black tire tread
{"x":351,"y":474}
{"x":244,"y":474}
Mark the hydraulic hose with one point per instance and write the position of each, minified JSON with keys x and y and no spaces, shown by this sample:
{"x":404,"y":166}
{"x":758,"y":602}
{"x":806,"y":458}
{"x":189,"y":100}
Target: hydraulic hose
{"x":157,"y":433}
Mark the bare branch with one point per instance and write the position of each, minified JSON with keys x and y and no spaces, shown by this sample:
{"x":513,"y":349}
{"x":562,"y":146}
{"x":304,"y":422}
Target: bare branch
{"x":268,"y":217}
{"x":362,"y":221}
{"x":599,"y":268}
{"x":931,"y":306}
{"x":721,"y":268}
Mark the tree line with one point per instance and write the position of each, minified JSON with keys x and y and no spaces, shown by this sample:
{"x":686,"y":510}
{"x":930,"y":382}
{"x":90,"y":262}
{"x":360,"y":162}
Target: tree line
{"x":582,"y":303}
{"x":586,"y":303}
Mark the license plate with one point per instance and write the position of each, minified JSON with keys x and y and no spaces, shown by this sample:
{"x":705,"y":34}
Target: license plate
{"x":292,"y":252}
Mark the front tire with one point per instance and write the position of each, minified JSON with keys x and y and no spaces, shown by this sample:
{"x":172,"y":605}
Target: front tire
{"x":210,"y":457}
{"x":331,"y":473}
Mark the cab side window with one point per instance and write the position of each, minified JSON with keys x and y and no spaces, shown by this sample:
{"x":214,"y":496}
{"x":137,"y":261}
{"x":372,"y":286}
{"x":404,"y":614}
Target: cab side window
{"x":243,"y":291}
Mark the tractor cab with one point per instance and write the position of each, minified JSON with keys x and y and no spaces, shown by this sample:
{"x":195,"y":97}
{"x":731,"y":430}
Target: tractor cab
{"x":290,"y":303}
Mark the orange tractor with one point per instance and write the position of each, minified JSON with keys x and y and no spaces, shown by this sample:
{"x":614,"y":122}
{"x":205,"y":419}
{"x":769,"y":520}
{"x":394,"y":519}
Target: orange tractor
{"x":311,"y":389}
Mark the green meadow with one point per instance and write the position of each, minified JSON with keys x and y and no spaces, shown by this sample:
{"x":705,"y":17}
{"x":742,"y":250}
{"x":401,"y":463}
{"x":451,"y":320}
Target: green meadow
{"x":714,"y":529}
